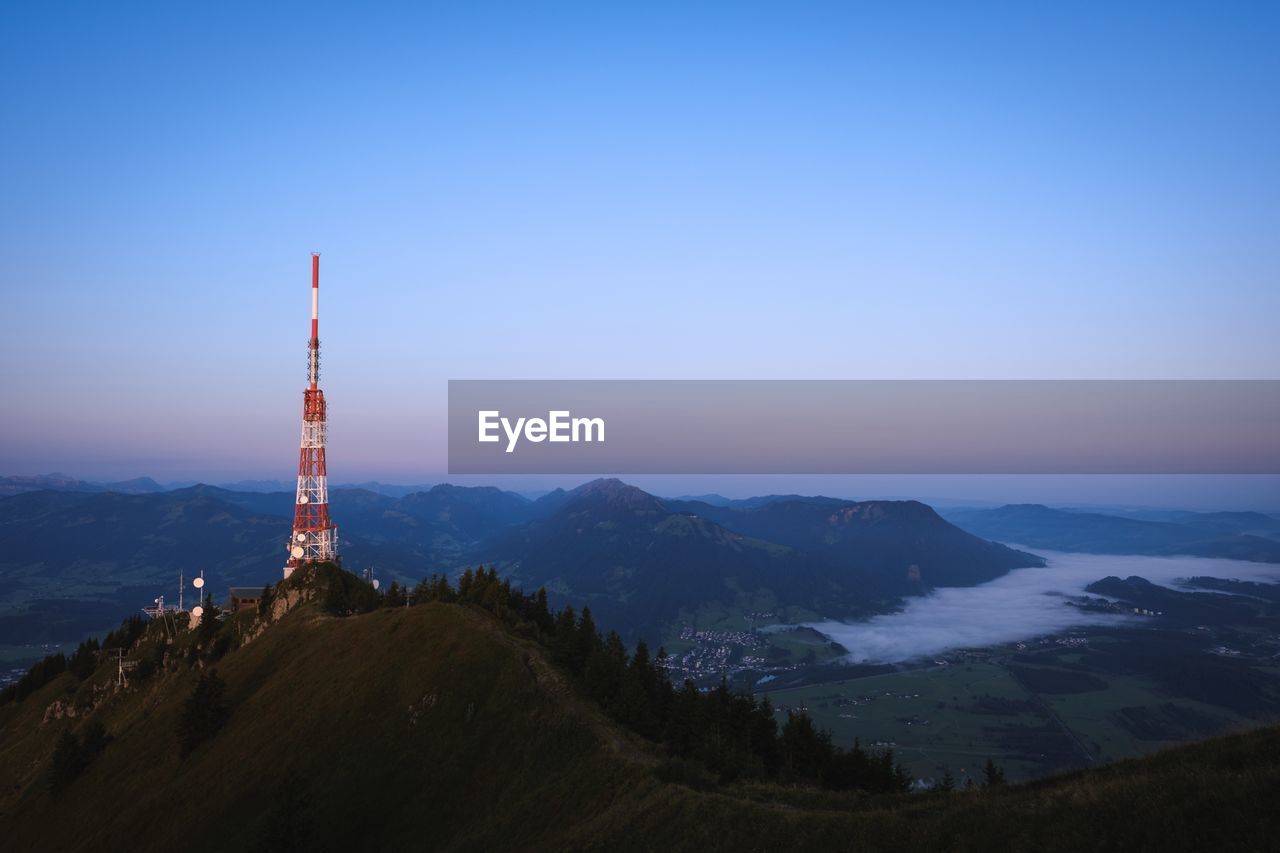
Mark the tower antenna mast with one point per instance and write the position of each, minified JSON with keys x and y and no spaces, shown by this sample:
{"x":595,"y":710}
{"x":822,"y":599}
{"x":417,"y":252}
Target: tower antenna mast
{"x":315,"y":537}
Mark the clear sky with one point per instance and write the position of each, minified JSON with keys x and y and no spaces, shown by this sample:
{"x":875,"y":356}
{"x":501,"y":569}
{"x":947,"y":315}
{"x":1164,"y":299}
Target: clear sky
{"x":645,"y":190}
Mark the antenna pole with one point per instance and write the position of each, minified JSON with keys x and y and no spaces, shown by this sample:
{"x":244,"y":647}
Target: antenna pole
{"x":315,"y":319}
{"x":314,"y":537}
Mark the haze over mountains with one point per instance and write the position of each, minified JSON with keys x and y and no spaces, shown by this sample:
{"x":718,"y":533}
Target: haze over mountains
{"x":1235,"y":535}
{"x":77,"y":555}
{"x":642,"y":560}
{"x":76,"y":559}
{"x":16,"y":485}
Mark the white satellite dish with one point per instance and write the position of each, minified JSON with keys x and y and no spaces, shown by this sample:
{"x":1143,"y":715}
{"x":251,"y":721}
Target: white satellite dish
{"x":376,"y":583}
{"x":301,"y":537}
{"x":198,"y":583}
{"x":303,"y":499}
{"x":297,"y":551}
{"x":197,"y":612}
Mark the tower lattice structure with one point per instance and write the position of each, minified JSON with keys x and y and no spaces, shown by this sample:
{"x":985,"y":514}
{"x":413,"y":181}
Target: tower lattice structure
{"x":314,"y":537}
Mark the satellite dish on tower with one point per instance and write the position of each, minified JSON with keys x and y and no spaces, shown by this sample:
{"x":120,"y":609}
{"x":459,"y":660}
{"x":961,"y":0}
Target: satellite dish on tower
{"x":197,"y":612}
{"x":198,"y":583}
{"x":303,"y":499}
{"x":376,"y":583}
{"x":297,"y":552}
{"x":301,"y":537}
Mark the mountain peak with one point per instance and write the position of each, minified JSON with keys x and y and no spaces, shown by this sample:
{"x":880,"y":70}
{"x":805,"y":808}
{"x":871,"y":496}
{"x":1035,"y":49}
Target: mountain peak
{"x":614,"y":494}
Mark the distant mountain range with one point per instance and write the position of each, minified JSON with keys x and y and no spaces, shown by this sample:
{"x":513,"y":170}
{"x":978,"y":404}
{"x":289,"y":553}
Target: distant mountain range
{"x":71,"y":560}
{"x":76,"y":555}
{"x":75,"y":562}
{"x":15,"y":485}
{"x":641,"y":560}
{"x":61,"y":482}
{"x":1235,"y":535}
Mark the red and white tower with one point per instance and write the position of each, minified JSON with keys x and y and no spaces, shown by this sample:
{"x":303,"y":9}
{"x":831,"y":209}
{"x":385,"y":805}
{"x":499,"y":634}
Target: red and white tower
{"x":315,"y":538}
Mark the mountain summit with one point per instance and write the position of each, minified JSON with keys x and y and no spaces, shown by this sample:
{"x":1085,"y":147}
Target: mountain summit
{"x":612,"y":495}
{"x":438,"y":727}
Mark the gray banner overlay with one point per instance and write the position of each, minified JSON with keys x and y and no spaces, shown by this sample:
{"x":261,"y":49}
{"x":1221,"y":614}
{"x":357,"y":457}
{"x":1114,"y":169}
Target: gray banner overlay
{"x":864,"y":427}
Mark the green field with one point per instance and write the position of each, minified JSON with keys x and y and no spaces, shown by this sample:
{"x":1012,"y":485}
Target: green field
{"x":1092,"y":716}
{"x":1046,"y":708}
{"x":801,"y":645}
{"x":927,"y":714}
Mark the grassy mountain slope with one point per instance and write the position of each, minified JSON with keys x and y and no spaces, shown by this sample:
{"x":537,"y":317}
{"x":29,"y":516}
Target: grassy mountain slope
{"x":434,"y":727}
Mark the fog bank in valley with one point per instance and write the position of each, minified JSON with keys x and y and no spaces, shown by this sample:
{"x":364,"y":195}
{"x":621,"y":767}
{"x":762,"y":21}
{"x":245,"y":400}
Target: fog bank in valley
{"x":1024,"y":603}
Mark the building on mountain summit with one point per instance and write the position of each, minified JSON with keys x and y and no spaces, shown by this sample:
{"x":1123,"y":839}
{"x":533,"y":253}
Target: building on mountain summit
{"x":245,"y":597}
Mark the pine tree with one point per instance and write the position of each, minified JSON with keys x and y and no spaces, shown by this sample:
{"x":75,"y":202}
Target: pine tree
{"x":209,"y":625}
{"x":394,"y":597}
{"x":603,"y":674}
{"x":900,"y":779}
{"x":764,"y":738}
{"x":40,"y":674}
{"x":73,"y":753}
{"x":992,"y":776}
{"x":564,"y":642}
{"x":203,"y":714}
{"x":806,"y":750}
{"x":684,"y":721}
{"x":85,"y":660}
{"x":495,"y":597}
{"x":423,"y":591}
{"x":948,"y":782}
{"x":465,"y":583}
{"x":642,"y":698}
{"x":335,"y":597}
{"x":67,"y":762}
{"x":588,"y":636}
{"x":540,"y":613}
{"x":129,"y":632}
{"x":93,"y":739}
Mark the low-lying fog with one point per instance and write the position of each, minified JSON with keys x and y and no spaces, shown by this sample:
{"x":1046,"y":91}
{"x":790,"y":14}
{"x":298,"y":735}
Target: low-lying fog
{"x":1024,"y":603}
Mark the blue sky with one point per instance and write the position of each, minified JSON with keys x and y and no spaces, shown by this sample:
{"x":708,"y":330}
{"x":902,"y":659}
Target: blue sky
{"x":880,"y":190}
